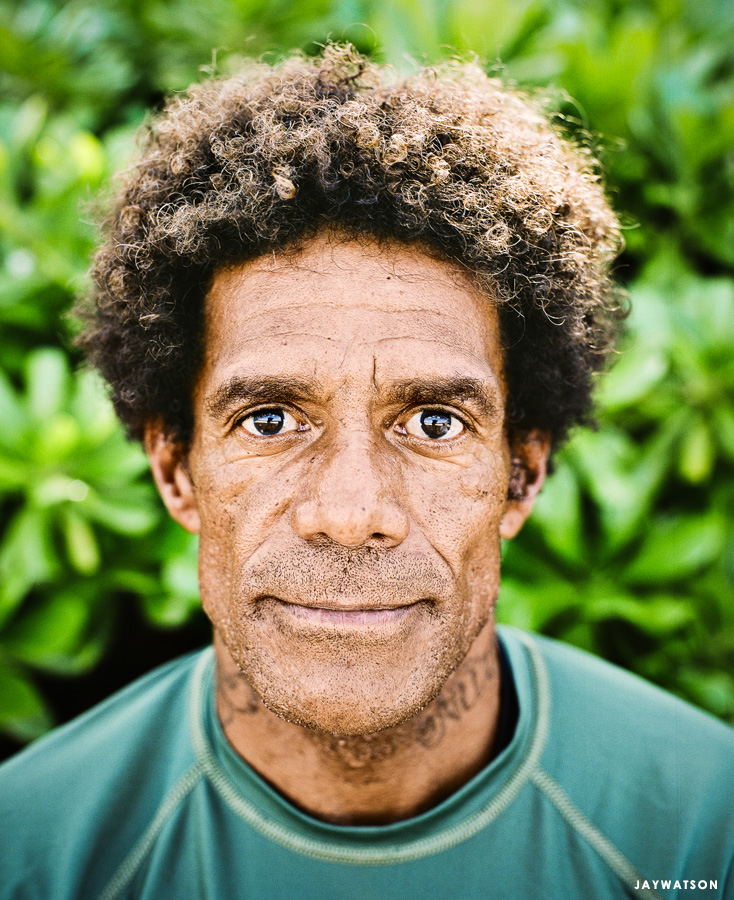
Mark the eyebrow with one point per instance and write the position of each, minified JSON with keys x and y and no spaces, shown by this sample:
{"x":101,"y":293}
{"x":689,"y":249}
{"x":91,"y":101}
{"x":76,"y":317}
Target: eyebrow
{"x":411,"y":392}
{"x":423,"y":392}
{"x":259,"y":389}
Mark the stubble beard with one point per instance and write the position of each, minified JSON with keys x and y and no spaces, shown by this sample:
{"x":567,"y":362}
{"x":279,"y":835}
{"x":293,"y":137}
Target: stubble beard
{"x":345,"y":685}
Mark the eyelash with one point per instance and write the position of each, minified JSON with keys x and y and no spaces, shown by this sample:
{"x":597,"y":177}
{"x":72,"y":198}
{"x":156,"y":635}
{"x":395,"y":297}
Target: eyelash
{"x":407,"y":414}
{"x":300,"y":417}
{"x":399,"y":421}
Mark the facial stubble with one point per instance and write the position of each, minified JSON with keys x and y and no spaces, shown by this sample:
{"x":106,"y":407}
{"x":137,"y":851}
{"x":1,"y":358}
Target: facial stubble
{"x":347,"y":682}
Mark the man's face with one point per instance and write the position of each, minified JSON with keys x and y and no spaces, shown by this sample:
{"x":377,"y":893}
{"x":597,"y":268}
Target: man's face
{"x":349,"y":471}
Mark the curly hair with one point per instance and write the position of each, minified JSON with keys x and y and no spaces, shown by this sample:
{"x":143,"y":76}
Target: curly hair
{"x":448,"y":159}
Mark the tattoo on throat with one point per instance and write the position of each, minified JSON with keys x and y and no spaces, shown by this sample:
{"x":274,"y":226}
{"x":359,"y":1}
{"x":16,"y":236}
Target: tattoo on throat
{"x":236,"y":697}
{"x":428,"y":728}
{"x":456,"y":699}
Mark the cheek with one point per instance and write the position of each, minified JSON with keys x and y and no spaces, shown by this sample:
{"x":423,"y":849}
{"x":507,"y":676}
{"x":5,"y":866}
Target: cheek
{"x":240,"y":503}
{"x":239,"y":508}
{"x":485,"y":485}
{"x":459,"y":508}
{"x":459,"y":513}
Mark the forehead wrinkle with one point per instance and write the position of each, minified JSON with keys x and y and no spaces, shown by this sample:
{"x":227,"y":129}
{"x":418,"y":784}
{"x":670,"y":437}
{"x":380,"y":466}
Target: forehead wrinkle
{"x":478,"y":365}
{"x":435,"y":336}
{"x":442,"y":336}
{"x":272,"y":308}
{"x":437,"y":331}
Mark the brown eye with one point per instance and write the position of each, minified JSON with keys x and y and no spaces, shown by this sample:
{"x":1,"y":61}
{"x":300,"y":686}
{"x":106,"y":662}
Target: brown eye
{"x":266,"y":422}
{"x":436,"y":424}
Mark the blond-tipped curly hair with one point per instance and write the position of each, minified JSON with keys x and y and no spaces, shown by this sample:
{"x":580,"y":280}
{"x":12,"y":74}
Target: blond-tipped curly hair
{"x":448,"y":159}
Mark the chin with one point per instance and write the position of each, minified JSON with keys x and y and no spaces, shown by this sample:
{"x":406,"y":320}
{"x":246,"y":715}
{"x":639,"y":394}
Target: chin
{"x":349,"y":703}
{"x":350,"y":719}
{"x":339,"y":679}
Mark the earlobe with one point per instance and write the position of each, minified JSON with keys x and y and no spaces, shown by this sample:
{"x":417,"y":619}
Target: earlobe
{"x":528,"y":468}
{"x":172,"y":477}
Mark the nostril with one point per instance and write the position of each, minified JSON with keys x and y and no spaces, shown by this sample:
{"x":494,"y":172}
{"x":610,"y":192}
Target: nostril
{"x":349,"y":517}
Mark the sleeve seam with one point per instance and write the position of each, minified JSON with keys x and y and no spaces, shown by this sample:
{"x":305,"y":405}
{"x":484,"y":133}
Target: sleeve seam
{"x":583,"y":826}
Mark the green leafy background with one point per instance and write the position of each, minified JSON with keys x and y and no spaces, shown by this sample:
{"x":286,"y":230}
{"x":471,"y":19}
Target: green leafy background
{"x":630,"y":553}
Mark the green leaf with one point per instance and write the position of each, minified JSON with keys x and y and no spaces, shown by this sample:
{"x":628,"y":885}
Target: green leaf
{"x":169,"y":610}
{"x":12,"y":415}
{"x":134,"y":513}
{"x":515,"y":604}
{"x":23,"y":713}
{"x":544,"y":602}
{"x":180,"y":576}
{"x":27,"y":558}
{"x":659,"y":616}
{"x":88,"y":155}
{"x":525,"y":563}
{"x":697,"y":453}
{"x":111,"y":463}
{"x":557,"y":514}
{"x":724,"y":428}
{"x":677,"y":548}
{"x":64,"y":634}
{"x":55,"y":440}
{"x":636,"y":372}
{"x":81,"y":543}
{"x":29,"y":121}
{"x":179,"y":601}
{"x":712,"y":690}
{"x":14,"y":474}
{"x":47,"y":376}
{"x":624,"y":479}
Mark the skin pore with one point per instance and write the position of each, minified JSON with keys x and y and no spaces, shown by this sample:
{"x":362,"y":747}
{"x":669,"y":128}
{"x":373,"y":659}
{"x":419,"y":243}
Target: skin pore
{"x":349,"y":477}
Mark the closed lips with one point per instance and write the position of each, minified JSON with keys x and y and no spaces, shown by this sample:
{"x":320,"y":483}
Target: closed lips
{"x":342,"y":615}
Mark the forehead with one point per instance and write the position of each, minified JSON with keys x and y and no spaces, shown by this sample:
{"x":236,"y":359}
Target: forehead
{"x":339,"y":304}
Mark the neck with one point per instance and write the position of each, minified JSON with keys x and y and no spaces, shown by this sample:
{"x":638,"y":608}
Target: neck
{"x":371,"y":779}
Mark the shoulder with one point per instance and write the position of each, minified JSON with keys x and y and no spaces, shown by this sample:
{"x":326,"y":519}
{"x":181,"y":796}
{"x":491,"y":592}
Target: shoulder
{"x":123,"y":727}
{"x":101,"y":776}
{"x":590,"y":696}
{"x":651,"y":772}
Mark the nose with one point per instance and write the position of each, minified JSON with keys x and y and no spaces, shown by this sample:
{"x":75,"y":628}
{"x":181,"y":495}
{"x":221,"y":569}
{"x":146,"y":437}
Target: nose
{"x":350,"y":498}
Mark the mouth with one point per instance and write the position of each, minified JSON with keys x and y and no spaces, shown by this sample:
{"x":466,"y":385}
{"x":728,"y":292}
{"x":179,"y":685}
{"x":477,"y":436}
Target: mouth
{"x":345,"y":616}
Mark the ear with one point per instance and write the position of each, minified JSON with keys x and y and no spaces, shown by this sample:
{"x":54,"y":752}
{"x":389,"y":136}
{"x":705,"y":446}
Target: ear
{"x":172,"y":477}
{"x":528,"y":468}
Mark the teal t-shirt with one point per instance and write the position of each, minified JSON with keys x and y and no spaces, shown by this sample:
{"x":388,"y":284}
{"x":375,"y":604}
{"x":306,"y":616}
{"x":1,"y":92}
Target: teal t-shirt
{"x":609,"y":788}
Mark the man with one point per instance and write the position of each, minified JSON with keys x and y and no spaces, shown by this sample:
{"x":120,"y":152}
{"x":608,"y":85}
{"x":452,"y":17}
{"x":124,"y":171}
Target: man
{"x":350,"y":319}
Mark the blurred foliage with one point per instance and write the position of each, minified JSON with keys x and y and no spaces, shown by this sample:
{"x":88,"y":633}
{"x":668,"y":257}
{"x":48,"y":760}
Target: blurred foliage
{"x":630,"y":552}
